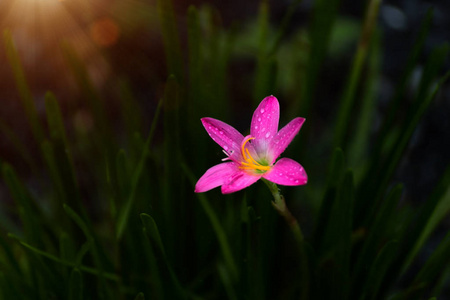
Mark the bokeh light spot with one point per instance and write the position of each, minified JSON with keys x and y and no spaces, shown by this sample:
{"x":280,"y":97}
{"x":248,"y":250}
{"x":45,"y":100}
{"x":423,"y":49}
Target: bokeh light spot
{"x":104,"y":32}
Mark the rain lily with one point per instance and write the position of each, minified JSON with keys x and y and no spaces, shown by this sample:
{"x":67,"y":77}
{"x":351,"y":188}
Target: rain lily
{"x":254,"y":156}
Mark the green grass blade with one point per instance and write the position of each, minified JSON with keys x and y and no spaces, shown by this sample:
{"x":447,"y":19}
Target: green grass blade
{"x":137,"y":174}
{"x":99,"y":256}
{"x":386,"y":171}
{"x":103,"y":132}
{"x":93,"y":271}
{"x":408,"y":129}
{"x":324,"y":15}
{"x":265,"y":65}
{"x":431,"y":214}
{"x":152,"y":231}
{"x":334,"y":177}
{"x":431,"y":70}
{"x":30,"y":213}
{"x":171,"y":175}
{"x":58,"y":157}
{"x":131,"y":112}
{"x":75,"y":285}
{"x":195,"y":52}
{"x":371,"y":180}
{"x":285,"y":22}
{"x":347,"y":102}
{"x":55,"y":119}
{"x":21,"y":148}
{"x":438,"y":261}
{"x":22,"y":86}
{"x":218,"y":229}
{"x":171,"y":283}
{"x":140,"y":296}
{"x":338,"y":239}
{"x":364,"y":126}
{"x":227,"y":281}
{"x":171,"y":41}
{"x":8,"y":257}
{"x":378,"y":270}
{"x":400,"y":91}
{"x":376,"y":234}
{"x":61,"y":196}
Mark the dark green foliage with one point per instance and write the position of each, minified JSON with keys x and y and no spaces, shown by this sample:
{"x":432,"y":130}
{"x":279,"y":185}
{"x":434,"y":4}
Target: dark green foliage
{"x":137,"y":230}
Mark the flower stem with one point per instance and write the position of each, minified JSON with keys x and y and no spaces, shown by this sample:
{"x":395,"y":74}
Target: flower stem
{"x":280,"y":206}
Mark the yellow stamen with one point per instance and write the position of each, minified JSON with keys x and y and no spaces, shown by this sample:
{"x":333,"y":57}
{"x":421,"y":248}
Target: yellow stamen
{"x":249,"y":163}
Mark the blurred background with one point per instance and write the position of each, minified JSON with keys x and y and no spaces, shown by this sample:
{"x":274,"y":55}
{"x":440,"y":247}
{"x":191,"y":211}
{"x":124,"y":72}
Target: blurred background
{"x":121,"y":41}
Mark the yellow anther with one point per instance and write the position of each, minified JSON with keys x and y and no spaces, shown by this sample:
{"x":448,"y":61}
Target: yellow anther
{"x":249,"y":163}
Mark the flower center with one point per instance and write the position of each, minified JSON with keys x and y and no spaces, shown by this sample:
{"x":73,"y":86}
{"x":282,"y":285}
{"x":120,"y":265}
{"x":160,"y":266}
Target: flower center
{"x":248,"y":162}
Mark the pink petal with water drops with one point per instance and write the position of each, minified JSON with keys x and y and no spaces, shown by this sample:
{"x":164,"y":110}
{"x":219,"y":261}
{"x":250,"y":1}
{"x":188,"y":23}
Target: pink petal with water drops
{"x":284,"y":137}
{"x":264,"y":123}
{"x":225,"y":135}
{"x":287,"y":172}
{"x":216,"y":176}
{"x":239,"y":181}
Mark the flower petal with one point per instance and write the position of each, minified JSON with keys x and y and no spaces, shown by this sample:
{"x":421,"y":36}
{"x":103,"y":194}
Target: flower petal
{"x":239,"y":181}
{"x":264,"y":124}
{"x":216,"y":176}
{"x":225,"y":135}
{"x":287,"y":172}
{"x":284,"y":137}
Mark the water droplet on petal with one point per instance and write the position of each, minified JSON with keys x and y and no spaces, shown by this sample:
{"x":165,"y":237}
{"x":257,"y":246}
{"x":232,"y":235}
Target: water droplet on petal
{"x":256,"y":127}
{"x":225,"y":147}
{"x":267,"y":135}
{"x":296,"y":181}
{"x":221,"y":132}
{"x":262,"y":110}
{"x":259,"y":119}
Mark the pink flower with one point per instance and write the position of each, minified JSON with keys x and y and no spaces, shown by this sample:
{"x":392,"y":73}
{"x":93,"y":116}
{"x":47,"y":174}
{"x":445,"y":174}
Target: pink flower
{"x":252,"y":157}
